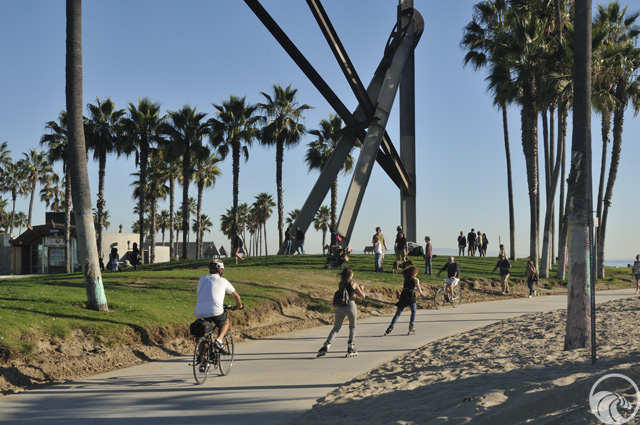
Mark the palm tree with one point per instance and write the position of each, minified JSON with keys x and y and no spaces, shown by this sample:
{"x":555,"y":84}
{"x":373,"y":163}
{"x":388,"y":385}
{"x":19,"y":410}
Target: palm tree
{"x":57,"y":139}
{"x":20,"y":220}
{"x":201,"y":225}
{"x":105,"y":218}
{"x":12,"y":180}
{"x":578,"y":327}
{"x":321,"y":222}
{"x":624,"y":87}
{"x":264,"y":208}
{"x":174,"y":172}
{"x":205,"y":175}
{"x":163,"y":222}
{"x":96,"y":299}
{"x":291,"y":217}
{"x":142,"y":131}
{"x":50,"y":193}
{"x":321,"y":149}
{"x":104,"y":135}
{"x":233,"y":130}
{"x":282,"y":116}
{"x":481,"y":38}
{"x":37,"y":169}
{"x":185,"y":131}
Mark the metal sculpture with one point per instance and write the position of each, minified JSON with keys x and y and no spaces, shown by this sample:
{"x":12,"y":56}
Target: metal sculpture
{"x":367,"y":123}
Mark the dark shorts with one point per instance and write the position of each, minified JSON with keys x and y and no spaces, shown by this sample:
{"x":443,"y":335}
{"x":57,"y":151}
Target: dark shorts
{"x":218,"y":320}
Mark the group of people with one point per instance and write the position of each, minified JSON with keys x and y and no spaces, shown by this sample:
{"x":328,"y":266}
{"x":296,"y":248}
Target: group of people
{"x":476,"y":242}
{"x":114,"y":264}
{"x":400,"y":247}
{"x":289,"y":239}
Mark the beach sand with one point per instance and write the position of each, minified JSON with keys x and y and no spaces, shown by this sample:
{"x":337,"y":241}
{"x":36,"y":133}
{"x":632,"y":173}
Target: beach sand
{"x":511,"y":372}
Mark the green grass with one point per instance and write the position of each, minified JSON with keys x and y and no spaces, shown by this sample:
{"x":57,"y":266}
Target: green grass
{"x":162,"y":296}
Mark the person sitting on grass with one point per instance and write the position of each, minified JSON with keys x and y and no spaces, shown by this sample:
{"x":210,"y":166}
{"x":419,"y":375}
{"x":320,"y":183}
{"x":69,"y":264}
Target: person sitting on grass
{"x":453,"y":271}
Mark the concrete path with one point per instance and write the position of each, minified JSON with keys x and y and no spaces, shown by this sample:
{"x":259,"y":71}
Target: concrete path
{"x":273,"y":380}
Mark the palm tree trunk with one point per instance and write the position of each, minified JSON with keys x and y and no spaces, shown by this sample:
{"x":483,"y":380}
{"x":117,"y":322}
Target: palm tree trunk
{"x":172,"y":223}
{"x":562,"y":216}
{"x":100,"y":204}
{"x":67,"y":221}
{"x":185,"y":200}
{"x":578,"y":329}
{"x":14,"y":196}
{"x":618,"y":122}
{"x":236,"y":190}
{"x":334,"y":204}
{"x":33,"y":194}
{"x":529,"y":118}
{"x":324,"y":239}
{"x":152,"y":230}
{"x":279,"y":160}
{"x":605,"y":128}
{"x":81,"y":190}
{"x":144,"y":154}
{"x":512,"y":218}
{"x":199,"y":234}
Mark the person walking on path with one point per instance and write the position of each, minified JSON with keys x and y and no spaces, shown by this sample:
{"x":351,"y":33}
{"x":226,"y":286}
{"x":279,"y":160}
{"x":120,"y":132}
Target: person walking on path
{"x":401,"y":247}
{"x":636,"y":273}
{"x":532,"y":277}
{"x":377,"y":251}
{"x":135,"y":253}
{"x":453,"y":276}
{"x":504,"y":265}
{"x":407,"y":298}
{"x":462,"y":243}
{"x":350,"y":311}
{"x":299,"y":241}
{"x":428,"y":254}
{"x":471,"y":239}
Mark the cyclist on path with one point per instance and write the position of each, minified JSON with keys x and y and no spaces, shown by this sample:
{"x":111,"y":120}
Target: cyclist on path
{"x":209,"y":306}
{"x":453,"y":273}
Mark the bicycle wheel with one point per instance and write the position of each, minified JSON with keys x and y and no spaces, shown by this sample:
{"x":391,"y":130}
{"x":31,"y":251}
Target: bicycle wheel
{"x":438,"y":300}
{"x":457,"y":296}
{"x":201,"y":360}
{"x":225,"y":361}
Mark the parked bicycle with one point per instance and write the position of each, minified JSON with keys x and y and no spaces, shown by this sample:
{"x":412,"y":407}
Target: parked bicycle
{"x":206,"y":356}
{"x":442,"y":296}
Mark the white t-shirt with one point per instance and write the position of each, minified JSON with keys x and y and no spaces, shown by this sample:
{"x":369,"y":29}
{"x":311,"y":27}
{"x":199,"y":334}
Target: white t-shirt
{"x":377,"y":248}
{"x":211,"y":291}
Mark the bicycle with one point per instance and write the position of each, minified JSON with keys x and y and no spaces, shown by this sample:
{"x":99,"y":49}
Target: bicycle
{"x":442,"y":296}
{"x":206,"y":355}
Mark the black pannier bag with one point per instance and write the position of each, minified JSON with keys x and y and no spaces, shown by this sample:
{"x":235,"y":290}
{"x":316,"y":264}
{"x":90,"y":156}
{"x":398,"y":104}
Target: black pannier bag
{"x":200,"y":328}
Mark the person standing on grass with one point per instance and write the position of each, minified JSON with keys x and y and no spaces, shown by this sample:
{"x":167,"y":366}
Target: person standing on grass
{"x":299,"y":241}
{"x":502,"y":252}
{"x":504,"y":265}
{"x":377,"y":251}
{"x":471,"y":239}
{"x":532,"y":277}
{"x":462,"y":243}
{"x":407,"y":298}
{"x":135,"y":253}
{"x":210,"y":303}
{"x":428,"y":254}
{"x":485,"y":243}
{"x":401,"y":247}
{"x":636,"y":272}
{"x":383,"y":245}
{"x":350,"y":311}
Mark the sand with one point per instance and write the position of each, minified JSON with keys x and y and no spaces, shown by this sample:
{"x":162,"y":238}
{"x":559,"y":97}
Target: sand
{"x":511,"y":372}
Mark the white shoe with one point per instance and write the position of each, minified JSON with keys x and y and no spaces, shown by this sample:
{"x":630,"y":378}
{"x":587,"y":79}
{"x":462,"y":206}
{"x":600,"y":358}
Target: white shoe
{"x":535,"y":294}
{"x":529,"y":296}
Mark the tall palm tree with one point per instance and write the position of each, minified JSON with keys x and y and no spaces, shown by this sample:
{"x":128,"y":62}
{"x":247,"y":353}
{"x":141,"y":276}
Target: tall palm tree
{"x":482,"y":37}
{"x":37,"y":169}
{"x":264,"y":208}
{"x":205,"y":175}
{"x":578,"y":327}
{"x":320,"y":150}
{"x":20,"y":220}
{"x":105,"y":218}
{"x":621,"y":34}
{"x":282,"y":116}
{"x":322,"y":222}
{"x":104,"y":136}
{"x":142,"y":132}
{"x":185,"y":130}
{"x":57,"y":139}
{"x":50,"y":193}
{"x":163,"y":222}
{"x":13,"y":181}
{"x":96,"y":299}
{"x":291,"y":217}
{"x":233,"y":129}
{"x":200,"y":225}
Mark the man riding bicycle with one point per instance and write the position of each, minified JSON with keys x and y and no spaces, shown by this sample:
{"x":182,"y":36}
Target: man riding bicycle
{"x":209,"y":306}
{"x":453,"y":271}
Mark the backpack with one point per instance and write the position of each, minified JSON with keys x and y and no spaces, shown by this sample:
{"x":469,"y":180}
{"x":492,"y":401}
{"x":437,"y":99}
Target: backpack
{"x":341,"y":297}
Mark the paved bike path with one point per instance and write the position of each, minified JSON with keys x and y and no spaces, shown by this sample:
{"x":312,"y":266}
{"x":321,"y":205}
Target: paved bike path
{"x":273,"y":380}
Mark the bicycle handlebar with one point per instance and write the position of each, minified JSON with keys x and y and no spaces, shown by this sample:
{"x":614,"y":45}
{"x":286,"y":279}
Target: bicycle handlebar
{"x":232,"y":307}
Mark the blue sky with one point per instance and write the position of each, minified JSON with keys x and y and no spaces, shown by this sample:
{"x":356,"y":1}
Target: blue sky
{"x":200,"y":52}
